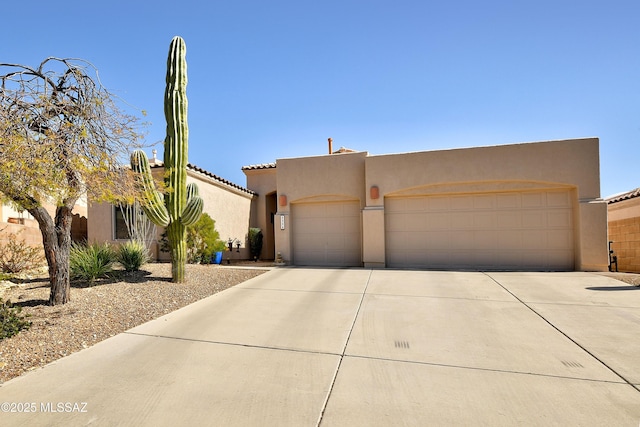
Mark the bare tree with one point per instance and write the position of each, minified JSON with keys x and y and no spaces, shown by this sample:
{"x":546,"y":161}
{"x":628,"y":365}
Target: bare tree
{"x":62,"y":136}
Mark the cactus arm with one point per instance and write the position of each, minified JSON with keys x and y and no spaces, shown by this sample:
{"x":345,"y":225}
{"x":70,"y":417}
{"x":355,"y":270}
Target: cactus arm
{"x":193,"y":210}
{"x":152,"y":201}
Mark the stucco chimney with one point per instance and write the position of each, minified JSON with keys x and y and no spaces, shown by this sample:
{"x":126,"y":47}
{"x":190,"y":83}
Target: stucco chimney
{"x":330,"y":145}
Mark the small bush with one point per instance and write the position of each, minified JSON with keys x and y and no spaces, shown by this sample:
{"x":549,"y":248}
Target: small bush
{"x":90,"y":262}
{"x":16,"y":256}
{"x":132,"y":255}
{"x":11,"y":321}
{"x":203,"y":241}
{"x":255,"y":243}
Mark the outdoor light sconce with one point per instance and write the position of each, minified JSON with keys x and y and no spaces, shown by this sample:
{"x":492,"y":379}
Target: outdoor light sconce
{"x":230,"y":243}
{"x":374,"y":192}
{"x":283,"y":200}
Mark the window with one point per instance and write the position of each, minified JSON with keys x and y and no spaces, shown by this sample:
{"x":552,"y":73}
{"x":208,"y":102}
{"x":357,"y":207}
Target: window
{"x":120,"y":230}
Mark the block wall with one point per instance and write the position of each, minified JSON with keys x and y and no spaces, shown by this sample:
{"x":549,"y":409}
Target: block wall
{"x":625,"y":234}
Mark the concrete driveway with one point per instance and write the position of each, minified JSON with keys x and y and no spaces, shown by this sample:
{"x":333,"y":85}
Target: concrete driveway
{"x":356,"y":347}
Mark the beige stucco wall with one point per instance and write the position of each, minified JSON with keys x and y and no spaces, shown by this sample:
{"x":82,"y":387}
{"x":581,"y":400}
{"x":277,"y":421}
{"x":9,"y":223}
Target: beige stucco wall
{"x":263,"y":182}
{"x":569,"y":163}
{"x":316,"y":179}
{"x":572,"y":165}
{"x":624,"y":209}
{"x":230,"y":207}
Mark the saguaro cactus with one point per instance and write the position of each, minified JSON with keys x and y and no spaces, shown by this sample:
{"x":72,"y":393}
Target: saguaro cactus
{"x":180,"y":205}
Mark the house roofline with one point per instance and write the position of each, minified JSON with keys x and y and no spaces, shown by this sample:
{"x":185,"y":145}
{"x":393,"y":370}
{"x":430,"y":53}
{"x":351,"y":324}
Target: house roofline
{"x":260,"y":166}
{"x":623,"y":196}
{"x":219,"y":179}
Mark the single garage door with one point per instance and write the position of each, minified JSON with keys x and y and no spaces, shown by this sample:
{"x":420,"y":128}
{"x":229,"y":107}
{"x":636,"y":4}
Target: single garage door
{"x":495,"y":231}
{"x":326,"y":234}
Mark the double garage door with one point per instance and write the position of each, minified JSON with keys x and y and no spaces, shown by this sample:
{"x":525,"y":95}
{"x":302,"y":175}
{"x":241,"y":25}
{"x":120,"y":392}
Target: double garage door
{"x":326,"y":234}
{"x":496,"y":231}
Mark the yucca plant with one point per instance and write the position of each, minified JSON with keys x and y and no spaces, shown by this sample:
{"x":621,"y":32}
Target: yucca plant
{"x":132,"y":255}
{"x":91,"y":261}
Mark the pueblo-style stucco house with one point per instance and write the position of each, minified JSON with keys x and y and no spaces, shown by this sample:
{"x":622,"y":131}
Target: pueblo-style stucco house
{"x":532,"y":206}
{"x":227,"y":203}
{"x":624,"y":230}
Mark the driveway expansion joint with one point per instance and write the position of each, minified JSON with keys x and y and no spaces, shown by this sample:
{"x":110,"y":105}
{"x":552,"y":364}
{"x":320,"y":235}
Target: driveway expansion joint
{"x":344,"y":349}
{"x":635,"y":387}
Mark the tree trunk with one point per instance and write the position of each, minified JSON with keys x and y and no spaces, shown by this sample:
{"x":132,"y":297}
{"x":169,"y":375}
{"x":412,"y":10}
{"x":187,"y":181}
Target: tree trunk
{"x":56,"y":239}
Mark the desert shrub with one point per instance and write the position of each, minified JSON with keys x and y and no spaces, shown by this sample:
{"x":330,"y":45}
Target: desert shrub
{"x":203,"y":240}
{"x":11,"y":321}
{"x":17,"y":256}
{"x":91,"y":261}
{"x":132,"y":255}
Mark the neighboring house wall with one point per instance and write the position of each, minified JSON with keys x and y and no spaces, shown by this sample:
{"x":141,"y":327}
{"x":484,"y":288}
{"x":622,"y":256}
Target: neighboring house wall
{"x":524,"y":206}
{"x":228,"y":205}
{"x":20,"y":223}
{"x":624,"y":232}
{"x":26,"y":227}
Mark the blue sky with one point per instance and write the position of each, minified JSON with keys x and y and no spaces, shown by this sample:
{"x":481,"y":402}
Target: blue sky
{"x":275,"y":79}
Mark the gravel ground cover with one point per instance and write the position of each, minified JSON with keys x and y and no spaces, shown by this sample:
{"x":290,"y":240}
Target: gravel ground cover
{"x":103,"y":309}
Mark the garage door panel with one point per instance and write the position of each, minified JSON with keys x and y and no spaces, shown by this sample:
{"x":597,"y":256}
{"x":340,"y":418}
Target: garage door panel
{"x":559,"y":239}
{"x":435,"y":221}
{"x":509,"y":219}
{"x":484,"y":220}
{"x":485,"y":240}
{"x":506,"y":201}
{"x":534,"y":240}
{"x":559,"y":219}
{"x":326,"y":234}
{"x":510,"y":239}
{"x":414,"y":221}
{"x":529,"y":230}
{"x":461,"y":203}
{"x":559,"y":199}
{"x":484,"y":202}
{"x":534,"y":219}
{"x":532,"y":200}
{"x":461,"y":220}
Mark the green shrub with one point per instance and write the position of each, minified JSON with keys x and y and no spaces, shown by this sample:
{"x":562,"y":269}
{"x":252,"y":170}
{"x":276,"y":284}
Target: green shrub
{"x":132,"y":255}
{"x":16,"y":256}
{"x":90,"y":262}
{"x":11,"y":320}
{"x":255,"y":242}
{"x":203,"y":240}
